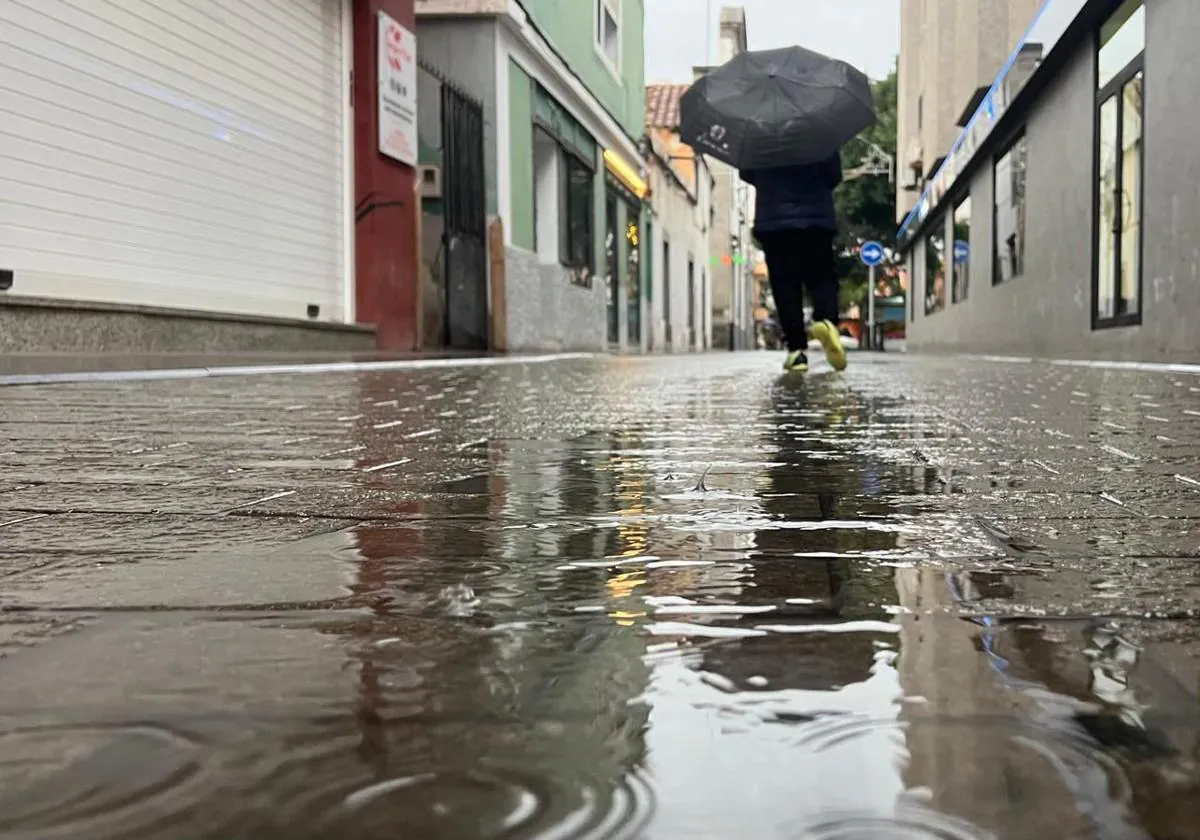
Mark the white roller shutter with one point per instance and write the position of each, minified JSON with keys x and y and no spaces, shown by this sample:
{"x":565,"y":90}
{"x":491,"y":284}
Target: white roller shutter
{"x":181,"y":153}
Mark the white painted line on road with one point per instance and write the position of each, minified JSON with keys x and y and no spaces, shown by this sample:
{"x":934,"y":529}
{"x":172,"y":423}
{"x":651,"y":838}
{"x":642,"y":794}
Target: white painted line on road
{"x":275,"y":370}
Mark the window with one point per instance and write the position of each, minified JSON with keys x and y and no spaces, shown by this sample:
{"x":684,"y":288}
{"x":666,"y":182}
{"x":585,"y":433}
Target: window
{"x":545,"y":195}
{"x":633,"y":275}
{"x":576,"y":229}
{"x":935,"y":268}
{"x":608,"y":31}
{"x":961,"y":250}
{"x":666,"y":300}
{"x":562,"y":207}
{"x":1120,"y":161}
{"x":610,"y":266}
{"x":1008,"y":220}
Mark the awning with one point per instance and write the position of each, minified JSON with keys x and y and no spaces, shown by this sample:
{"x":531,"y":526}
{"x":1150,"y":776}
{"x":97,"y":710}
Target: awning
{"x":626,"y":174}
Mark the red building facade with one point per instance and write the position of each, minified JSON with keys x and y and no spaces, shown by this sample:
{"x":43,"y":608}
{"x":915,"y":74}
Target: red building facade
{"x":386,"y":205}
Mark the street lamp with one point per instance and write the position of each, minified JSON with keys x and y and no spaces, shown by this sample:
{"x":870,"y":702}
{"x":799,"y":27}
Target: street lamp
{"x":877,"y":162}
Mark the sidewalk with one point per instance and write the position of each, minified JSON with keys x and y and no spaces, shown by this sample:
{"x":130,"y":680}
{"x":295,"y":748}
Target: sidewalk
{"x":642,"y":596}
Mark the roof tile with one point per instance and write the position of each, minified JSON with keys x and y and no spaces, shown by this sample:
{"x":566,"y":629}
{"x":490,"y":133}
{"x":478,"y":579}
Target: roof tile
{"x":662,"y":105}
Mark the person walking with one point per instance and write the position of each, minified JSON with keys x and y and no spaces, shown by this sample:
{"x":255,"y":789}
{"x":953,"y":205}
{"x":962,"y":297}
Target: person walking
{"x":795,"y":222}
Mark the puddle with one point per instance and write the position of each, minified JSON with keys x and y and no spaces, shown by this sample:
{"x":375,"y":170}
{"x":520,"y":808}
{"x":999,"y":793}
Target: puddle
{"x":593,"y":600}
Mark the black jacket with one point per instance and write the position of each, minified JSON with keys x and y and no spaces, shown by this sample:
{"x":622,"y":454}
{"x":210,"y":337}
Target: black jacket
{"x":792,"y":197}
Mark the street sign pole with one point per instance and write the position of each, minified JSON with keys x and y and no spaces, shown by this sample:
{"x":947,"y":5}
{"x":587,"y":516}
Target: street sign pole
{"x":871,"y":254}
{"x":871,"y":307}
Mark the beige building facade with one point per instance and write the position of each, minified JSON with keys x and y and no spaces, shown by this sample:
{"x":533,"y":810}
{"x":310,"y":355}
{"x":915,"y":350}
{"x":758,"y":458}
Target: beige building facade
{"x":950,"y":52}
{"x":731,"y":249}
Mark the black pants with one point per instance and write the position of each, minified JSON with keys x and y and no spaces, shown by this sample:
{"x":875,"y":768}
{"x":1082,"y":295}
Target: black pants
{"x":797,"y":260}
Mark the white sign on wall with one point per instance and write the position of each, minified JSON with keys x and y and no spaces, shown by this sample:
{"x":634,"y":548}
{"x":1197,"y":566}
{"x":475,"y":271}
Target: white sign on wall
{"x":397,"y":91}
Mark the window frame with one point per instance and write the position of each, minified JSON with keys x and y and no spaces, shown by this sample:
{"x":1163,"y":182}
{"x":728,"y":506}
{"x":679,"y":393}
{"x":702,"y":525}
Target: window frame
{"x":533,"y":159}
{"x":566,"y":159}
{"x":1114,"y":89}
{"x":1016,"y":138}
{"x":955,"y":296}
{"x":611,"y":265}
{"x":599,"y":8}
{"x":934,"y":230}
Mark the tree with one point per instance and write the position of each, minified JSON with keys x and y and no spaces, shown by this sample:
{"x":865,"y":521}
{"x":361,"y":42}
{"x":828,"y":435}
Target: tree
{"x":866,"y":206}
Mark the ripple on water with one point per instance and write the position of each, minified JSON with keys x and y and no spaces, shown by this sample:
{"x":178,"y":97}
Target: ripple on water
{"x":95,"y":782}
{"x":910,"y":822}
{"x":326,"y":790}
{"x":1057,"y":742}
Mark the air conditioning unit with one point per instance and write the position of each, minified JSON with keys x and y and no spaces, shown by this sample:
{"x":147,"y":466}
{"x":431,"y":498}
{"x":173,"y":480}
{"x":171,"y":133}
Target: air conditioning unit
{"x":431,"y":180}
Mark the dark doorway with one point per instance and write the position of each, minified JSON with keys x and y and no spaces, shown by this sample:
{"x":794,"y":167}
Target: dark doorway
{"x":667,"y":295}
{"x":612,"y":289}
{"x":464,"y":237}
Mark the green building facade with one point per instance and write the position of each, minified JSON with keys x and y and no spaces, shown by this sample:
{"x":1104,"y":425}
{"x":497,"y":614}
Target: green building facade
{"x":563,"y":96}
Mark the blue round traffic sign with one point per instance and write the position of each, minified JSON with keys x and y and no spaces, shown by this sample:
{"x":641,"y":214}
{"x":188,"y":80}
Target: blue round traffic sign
{"x":871,"y":253}
{"x":962,"y":251}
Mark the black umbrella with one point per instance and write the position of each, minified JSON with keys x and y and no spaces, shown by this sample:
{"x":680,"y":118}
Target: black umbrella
{"x":776,"y":108}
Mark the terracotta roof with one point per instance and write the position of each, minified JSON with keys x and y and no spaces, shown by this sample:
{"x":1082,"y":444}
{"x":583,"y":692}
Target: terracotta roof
{"x":662,"y":105}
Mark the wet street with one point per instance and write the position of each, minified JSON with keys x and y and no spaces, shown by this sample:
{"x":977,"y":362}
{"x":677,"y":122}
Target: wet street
{"x":645,"y":598}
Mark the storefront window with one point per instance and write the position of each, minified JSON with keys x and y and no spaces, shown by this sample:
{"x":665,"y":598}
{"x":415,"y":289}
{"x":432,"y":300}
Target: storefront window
{"x":1120,"y":163}
{"x":610,"y":266}
{"x":935,"y":268}
{"x":1009,"y":213}
{"x":962,"y":250}
{"x":633,"y":275}
{"x":578,"y":185}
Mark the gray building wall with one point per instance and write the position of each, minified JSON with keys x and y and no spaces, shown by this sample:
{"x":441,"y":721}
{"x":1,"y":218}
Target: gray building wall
{"x":547,"y":312}
{"x":1048,"y":310}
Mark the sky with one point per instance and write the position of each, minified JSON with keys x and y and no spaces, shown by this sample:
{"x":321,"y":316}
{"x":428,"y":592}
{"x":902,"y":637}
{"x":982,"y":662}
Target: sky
{"x":865,"y":33}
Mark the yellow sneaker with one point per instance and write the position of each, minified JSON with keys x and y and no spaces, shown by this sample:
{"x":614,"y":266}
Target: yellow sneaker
{"x":796,"y":362}
{"x":826,"y":333}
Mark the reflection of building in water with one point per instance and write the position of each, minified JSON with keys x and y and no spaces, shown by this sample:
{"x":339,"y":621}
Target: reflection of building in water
{"x":1046,"y":729}
{"x":962,"y":750}
{"x":472,"y":665}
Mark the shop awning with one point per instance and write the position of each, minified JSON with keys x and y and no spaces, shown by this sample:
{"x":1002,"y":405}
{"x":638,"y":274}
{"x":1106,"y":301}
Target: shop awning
{"x":626,"y":174}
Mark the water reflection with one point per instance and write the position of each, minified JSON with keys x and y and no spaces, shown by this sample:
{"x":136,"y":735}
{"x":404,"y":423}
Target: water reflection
{"x":488,"y":707}
{"x":1073,"y":747}
{"x":690,"y":609}
{"x":810,"y":654}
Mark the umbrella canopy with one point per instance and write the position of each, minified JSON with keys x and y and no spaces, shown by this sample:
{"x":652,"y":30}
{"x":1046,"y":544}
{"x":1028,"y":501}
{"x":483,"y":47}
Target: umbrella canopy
{"x":776,"y":108}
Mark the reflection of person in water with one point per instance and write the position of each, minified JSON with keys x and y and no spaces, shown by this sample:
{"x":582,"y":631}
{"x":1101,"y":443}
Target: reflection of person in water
{"x":809,"y":573}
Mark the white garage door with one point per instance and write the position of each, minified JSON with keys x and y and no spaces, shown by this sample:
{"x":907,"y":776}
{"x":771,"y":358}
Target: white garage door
{"x":181,"y":153}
